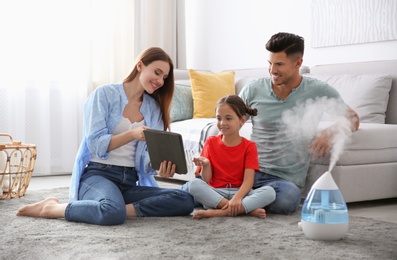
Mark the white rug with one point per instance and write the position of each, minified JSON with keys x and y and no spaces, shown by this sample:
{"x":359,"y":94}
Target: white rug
{"x":276,"y":237}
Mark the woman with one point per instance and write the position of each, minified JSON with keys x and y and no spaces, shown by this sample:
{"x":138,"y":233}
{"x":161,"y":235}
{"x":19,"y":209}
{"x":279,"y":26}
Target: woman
{"x":112,"y":178}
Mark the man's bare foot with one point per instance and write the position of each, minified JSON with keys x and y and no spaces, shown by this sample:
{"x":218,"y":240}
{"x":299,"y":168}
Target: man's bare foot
{"x":48,"y":208}
{"x":259,"y":213}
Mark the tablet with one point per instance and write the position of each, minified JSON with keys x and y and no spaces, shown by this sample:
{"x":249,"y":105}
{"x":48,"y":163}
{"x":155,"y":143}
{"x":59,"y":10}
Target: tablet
{"x":166,"y":146}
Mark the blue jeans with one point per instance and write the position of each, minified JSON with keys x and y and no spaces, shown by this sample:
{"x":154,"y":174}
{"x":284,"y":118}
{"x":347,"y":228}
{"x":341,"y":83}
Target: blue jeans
{"x":106,"y":189}
{"x":288,"y":195}
{"x":210,"y":197}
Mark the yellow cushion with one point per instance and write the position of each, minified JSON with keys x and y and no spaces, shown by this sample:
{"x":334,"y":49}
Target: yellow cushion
{"x":207,"y":89}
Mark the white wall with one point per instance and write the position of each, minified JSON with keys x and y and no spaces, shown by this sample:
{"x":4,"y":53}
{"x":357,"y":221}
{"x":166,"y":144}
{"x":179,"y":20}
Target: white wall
{"x":231,"y":34}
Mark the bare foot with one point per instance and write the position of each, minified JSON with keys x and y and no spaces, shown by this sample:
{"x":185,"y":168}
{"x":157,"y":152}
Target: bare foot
{"x":48,"y":208}
{"x":199,"y":214}
{"x":210,"y":213}
{"x":259,"y":213}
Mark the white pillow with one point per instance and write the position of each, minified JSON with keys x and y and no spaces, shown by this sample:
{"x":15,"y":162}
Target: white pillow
{"x":367,"y":94}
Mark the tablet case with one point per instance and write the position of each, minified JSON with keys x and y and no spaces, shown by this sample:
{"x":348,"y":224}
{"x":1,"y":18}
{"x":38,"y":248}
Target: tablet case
{"x":166,"y":146}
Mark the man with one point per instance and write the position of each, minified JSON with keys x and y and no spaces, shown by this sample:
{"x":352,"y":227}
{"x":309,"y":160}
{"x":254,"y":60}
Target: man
{"x":281,"y":163}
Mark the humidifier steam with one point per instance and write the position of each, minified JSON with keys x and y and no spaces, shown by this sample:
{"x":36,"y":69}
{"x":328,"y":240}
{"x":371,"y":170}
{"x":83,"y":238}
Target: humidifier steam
{"x":324,"y":212}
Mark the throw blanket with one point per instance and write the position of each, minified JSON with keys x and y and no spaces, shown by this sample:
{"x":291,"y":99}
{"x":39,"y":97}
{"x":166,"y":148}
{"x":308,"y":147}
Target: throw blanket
{"x":194,"y":132}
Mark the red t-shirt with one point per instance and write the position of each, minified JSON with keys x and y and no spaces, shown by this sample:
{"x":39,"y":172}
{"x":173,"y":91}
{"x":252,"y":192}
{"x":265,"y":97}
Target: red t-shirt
{"x":228,"y":163}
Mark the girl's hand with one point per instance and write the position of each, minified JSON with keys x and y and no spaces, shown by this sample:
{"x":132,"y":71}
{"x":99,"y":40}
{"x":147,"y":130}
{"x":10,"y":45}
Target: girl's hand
{"x":234,"y":206}
{"x":167,"y":169}
{"x":201,"y":161}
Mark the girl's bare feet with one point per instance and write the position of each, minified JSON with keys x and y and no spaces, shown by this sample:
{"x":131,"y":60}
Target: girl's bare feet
{"x":48,"y":208}
{"x":259,"y":213}
{"x":199,"y":214}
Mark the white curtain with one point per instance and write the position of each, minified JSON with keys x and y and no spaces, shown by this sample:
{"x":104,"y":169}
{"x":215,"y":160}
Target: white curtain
{"x":112,"y":40}
{"x":53,"y":53}
{"x":156,"y":25}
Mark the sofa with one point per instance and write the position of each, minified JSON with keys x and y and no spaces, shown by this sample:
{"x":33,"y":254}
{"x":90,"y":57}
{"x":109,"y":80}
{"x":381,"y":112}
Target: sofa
{"x":367,"y":167}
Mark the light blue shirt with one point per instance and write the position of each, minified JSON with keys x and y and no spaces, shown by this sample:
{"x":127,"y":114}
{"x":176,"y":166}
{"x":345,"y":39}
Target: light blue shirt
{"x":281,"y":154}
{"x":102,"y":112}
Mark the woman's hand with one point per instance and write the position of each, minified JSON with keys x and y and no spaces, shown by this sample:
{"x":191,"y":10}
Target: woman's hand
{"x":167,"y":169}
{"x":137,"y":133}
{"x":126,"y":137}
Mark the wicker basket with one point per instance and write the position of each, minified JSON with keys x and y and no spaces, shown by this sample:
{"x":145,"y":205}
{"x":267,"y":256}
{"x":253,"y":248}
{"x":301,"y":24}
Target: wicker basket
{"x":17,"y":162}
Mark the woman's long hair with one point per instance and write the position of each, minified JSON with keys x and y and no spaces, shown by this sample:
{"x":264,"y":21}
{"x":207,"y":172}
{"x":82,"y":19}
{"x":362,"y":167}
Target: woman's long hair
{"x":164,"y":94}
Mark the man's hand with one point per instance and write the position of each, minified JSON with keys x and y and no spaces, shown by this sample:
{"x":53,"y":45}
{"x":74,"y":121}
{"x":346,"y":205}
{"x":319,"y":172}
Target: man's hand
{"x":321,"y":145}
{"x":354,"y":119}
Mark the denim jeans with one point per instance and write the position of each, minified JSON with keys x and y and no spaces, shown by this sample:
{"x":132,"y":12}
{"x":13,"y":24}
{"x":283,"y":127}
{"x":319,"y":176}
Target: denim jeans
{"x":288,"y":195}
{"x":106,"y":189}
{"x":210,"y":197}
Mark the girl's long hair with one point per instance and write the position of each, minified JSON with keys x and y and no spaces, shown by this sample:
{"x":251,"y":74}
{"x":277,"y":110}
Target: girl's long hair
{"x":238,"y":105}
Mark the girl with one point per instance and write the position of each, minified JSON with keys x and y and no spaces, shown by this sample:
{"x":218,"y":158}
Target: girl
{"x":228,"y":163}
{"x":112,"y":179}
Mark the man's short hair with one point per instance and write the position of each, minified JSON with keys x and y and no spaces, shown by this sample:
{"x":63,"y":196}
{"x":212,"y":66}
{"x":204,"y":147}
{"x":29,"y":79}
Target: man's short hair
{"x":286,"y":42}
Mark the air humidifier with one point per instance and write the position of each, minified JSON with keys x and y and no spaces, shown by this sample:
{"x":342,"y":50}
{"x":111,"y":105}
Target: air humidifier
{"x":324,"y":212}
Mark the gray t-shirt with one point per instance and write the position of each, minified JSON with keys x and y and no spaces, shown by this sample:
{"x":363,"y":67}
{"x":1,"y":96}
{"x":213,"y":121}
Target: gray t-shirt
{"x":283,"y":148}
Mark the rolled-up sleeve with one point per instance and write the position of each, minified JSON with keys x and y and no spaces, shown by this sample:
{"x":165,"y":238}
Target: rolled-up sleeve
{"x":98,"y":121}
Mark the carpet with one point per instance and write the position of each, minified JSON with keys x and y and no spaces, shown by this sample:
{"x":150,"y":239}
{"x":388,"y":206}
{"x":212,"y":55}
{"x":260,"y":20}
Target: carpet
{"x":276,"y":237}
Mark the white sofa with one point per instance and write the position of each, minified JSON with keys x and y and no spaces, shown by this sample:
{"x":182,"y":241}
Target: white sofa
{"x":367,"y":169}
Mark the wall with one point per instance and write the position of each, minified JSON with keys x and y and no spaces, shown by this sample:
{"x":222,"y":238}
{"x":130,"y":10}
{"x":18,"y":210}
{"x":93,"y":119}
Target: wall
{"x":231,"y":34}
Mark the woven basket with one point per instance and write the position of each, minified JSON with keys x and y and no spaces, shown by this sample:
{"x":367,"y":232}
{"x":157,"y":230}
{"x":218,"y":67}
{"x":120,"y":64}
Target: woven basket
{"x":17,"y":162}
